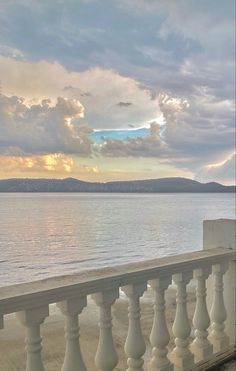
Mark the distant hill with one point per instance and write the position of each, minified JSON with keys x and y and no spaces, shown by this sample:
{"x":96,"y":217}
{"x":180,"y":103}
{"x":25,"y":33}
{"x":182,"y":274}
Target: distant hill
{"x":162,"y":185}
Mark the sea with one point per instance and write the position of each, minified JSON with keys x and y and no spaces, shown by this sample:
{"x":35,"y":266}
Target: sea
{"x":50,"y":234}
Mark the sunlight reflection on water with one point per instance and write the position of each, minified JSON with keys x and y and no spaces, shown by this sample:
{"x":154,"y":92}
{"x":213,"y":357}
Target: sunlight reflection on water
{"x":43,"y":235}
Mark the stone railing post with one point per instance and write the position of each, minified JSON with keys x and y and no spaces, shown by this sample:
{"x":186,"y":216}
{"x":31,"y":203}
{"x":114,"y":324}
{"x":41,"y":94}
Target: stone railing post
{"x":159,"y":336}
{"x":71,"y":308}
{"x":32,"y":319}
{"x":218,"y":313}
{"x":106,"y":357}
{"x":181,"y":356}
{"x":134,"y":345}
{"x":222,"y":233}
{"x":201,"y":347}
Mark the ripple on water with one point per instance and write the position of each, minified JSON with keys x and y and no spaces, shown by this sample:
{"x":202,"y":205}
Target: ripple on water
{"x":38,"y":240}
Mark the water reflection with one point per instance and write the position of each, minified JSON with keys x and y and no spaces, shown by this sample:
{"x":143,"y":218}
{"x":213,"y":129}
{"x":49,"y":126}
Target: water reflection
{"x":43,"y":235}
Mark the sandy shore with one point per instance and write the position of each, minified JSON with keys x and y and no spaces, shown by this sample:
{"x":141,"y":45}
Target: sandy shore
{"x":12,"y":352}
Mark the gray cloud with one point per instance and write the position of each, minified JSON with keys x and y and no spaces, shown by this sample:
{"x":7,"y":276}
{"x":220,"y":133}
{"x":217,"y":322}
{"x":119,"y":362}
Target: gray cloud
{"x":42,"y":128}
{"x":148,"y":146}
{"x":197,"y":131}
{"x":124,"y":104}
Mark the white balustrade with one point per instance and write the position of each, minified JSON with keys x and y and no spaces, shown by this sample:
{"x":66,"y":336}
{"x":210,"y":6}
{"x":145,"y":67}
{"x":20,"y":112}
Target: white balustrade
{"x":32,"y":319}
{"x":201,"y":347}
{"x":160,"y":337}
{"x":31,"y":302}
{"x":181,"y":356}
{"x":135,"y":345}
{"x":222,"y":233}
{"x":106,"y":358}
{"x":218,"y":337}
{"x":71,"y":308}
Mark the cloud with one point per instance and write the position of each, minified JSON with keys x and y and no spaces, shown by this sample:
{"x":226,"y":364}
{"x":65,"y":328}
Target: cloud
{"x":195,"y":129}
{"x":223,"y":172}
{"x":170,"y":62}
{"x":97,"y":89}
{"x":155,"y":40}
{"x":51,"y":163}
{"x":200,"y":21}
{"x":192,"y":129}
{"x":150,"y":145}
{"x":198,"y":128}
{"x":88,"y":169}
{"x":42,"y":128}
{"x":124,"y":104}
{"x":81,"y":41}
{"x":7,"y":51}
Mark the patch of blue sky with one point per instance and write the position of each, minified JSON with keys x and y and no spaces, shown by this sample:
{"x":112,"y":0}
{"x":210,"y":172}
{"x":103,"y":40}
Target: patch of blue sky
{"x":100,"y":136}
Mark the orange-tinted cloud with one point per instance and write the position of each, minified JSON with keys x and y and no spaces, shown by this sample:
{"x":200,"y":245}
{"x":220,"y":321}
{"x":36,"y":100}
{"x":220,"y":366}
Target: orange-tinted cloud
{"x":51,"y":163}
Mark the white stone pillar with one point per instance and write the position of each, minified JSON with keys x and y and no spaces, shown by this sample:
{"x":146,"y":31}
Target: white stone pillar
{"x":32,"y":319}
{"x":218,"y":313}
{"x":201,"y":347}
{"x":222,"y":233}
{"x":181,"y":356}
{"x":159,"y":336}
{"x":106,"y":357}
{"x":71,"y":308}
{"x":134,"y":345}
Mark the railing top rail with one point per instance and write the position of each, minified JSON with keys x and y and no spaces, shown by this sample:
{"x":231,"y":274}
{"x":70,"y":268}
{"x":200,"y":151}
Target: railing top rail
{"x":27,"y":295}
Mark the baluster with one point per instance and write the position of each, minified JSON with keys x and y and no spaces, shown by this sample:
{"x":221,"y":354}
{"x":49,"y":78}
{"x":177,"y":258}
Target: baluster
{"x":71,"y":308}
{"x":134,"y":346}
{"x":218,"y":313}
{"x":201,"y":346}
{"x":181,"y":355}
{"x":159,"y":337}
{"x":32,"y":319}
{"x":106,"y":357}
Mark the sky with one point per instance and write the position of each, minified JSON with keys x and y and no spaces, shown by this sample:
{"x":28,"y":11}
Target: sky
{"x":117,"y":89}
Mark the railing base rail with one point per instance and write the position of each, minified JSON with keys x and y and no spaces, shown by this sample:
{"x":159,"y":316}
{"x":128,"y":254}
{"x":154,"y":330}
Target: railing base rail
{"x":220,"y":358}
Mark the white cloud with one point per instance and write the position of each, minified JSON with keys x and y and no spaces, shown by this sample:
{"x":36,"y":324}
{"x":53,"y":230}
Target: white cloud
{"x":83,"y":168}
{"x":223,"y":172}
{"x":99,"y":90}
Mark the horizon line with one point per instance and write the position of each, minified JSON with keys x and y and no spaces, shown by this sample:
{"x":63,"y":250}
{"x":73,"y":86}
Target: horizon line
{"x":117,"y":181}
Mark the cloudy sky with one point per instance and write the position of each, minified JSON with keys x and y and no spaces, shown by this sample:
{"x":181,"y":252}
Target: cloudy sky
{"x":117,"y":89}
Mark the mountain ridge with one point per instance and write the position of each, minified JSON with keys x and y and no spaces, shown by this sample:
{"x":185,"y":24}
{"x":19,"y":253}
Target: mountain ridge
{"x":160,"y":185}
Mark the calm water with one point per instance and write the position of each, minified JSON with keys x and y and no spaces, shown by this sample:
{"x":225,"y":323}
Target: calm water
{"x":43,"y":235}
